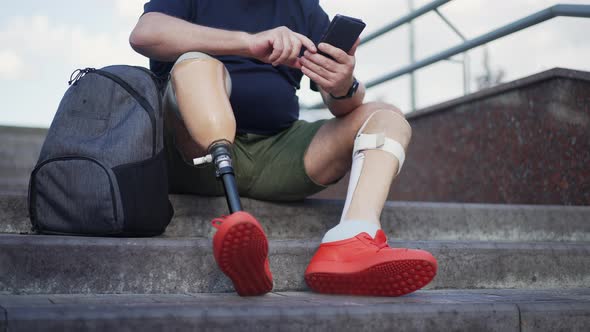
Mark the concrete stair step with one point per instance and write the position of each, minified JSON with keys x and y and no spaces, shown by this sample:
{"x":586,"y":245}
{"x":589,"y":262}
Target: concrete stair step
{"x":34,"y":264}
{"x":402,"y":220}
{"x":20,"y":145}
{"x":456,"y":310}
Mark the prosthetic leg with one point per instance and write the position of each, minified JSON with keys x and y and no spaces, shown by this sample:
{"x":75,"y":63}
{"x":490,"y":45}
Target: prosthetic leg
{"x":202,"y":87}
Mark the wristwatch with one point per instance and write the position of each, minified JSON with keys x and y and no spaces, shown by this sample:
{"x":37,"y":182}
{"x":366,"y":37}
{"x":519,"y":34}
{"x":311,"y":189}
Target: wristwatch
{"x":351,"y":91}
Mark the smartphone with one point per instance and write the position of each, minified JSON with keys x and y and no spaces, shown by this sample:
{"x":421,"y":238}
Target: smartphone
{"x":342,"y":33}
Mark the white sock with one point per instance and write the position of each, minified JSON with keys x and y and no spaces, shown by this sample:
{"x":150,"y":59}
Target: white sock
{"x":348,"y":229}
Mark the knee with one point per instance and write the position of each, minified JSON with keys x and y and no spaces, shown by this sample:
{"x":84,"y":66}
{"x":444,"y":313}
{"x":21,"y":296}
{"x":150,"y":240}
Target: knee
{"x":386,"y":118}
{"x":194,"y":62}
{"x":367,"y":109}
{"x":199,"y":66}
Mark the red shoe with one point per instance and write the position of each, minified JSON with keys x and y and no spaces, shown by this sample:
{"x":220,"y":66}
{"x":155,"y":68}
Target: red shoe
{"x":240,"y":248}
{"x":366,"y":266}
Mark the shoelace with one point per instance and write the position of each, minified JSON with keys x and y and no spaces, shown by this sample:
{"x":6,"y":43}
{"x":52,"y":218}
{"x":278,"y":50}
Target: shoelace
{"x":218,"y":221}
{"x":379,"y":245}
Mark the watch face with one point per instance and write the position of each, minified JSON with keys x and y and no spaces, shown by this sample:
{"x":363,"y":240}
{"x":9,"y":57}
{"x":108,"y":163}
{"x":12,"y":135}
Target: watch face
{"x":353,"y":88}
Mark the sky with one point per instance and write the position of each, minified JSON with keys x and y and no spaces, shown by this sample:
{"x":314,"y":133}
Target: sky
{"x":42,"y":42}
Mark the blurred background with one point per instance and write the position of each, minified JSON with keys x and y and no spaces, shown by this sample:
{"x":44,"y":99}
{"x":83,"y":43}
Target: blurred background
{"x":41,"y":43}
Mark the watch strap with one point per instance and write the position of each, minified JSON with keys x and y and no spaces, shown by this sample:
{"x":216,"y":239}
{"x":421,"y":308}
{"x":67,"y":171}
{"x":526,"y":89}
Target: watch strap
{"x":350,"y":93}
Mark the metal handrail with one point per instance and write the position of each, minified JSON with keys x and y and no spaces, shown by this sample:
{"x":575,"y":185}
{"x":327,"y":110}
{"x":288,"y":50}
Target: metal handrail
{"x":404,"y":20}
{"x":526,"y":22}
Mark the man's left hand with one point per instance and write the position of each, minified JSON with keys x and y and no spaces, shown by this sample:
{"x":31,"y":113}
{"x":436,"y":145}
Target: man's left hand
{"x":333,"y":76}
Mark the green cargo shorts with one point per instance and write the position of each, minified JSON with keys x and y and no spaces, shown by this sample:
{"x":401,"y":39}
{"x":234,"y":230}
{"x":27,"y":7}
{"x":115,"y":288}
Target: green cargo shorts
{"x":267,"y":167}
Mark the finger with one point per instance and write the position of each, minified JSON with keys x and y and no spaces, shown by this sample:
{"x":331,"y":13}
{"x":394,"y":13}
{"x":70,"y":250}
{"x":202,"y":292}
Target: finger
{"x":320,"y":60}
{"x":286,"y":51}
{"x":354,"y":47}
{"x":339,"y":55}
{"x":295,"y":64}
{"x":295,"y":49}
{"x":277,"y":46}
{"x":305,"y":62}
{"x":309,"y":45}
{"x":319,"y":80}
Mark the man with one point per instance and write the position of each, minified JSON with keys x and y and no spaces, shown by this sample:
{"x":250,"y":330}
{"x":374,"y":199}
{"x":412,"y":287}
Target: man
{"x":233,"y":68}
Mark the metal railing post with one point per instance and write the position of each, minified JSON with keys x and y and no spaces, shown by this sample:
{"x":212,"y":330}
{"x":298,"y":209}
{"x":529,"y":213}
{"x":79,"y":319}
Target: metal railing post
{"x":412,"y":42}
{"x":466,"y":61}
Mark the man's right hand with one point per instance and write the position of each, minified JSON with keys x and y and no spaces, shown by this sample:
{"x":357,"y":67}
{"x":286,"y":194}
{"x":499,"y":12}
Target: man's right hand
{"x":279,"y":46}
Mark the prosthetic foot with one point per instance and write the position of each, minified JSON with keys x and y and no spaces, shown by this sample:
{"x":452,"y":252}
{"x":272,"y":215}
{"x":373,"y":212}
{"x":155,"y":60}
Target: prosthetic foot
{"x":202,"y":87}
{"x":240,"y":246}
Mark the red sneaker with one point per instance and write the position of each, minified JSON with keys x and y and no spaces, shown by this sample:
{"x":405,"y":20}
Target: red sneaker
{"x":366,"y":266}
{"x":240,"y":248}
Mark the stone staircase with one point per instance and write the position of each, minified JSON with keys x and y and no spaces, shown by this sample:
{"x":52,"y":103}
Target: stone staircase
{"x":501,"y":268}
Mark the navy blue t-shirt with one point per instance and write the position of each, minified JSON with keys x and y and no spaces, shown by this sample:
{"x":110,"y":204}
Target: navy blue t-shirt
{"x":263,"y":97}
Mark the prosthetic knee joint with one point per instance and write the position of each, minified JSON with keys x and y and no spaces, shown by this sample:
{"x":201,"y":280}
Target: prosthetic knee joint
{"x":220,"y":156}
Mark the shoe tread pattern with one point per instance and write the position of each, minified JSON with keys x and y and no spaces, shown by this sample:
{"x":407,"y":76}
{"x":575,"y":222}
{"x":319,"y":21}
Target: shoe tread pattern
{"x":395,"y":278}
{"x":243,"y":256}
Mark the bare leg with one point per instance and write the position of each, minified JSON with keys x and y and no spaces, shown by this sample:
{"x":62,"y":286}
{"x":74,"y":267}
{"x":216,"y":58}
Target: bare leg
{"x":378,"y":170}
{"x":329,"y":157}
{"x":354,"y":257}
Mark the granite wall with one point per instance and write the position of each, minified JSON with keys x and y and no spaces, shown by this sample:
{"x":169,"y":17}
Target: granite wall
{"x":524,"y":142}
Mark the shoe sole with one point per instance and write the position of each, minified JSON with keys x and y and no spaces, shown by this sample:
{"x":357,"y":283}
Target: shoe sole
{"x":386,"y":279}
{"x":242,"y":258}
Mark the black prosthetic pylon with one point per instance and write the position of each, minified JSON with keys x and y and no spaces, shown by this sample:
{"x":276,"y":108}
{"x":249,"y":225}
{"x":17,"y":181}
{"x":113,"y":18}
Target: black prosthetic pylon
{"x":225,"y":171}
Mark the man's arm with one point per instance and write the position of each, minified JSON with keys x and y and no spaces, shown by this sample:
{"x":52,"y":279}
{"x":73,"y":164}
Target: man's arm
{"x":334,"y":77}
{"x":165,"y":38}
{"x":341,"y":107}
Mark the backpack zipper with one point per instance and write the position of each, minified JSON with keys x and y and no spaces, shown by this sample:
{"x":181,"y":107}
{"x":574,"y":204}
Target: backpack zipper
{"x":159,"y":84}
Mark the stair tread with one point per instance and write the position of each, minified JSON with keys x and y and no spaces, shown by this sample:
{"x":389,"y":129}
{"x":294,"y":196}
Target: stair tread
{"x":35,"y":264}
{"x":492,"y":309}
{"x":407,"y":220}
{"x":458,"y":296}
{"x":160,"y":241}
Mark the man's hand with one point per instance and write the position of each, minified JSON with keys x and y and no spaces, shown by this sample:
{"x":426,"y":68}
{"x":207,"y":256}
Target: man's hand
{"x":279,"y":46}
{"x":333,"y":76}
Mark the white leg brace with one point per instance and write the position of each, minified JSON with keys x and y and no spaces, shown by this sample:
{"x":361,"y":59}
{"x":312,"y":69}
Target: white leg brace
{"x":365,"y":142}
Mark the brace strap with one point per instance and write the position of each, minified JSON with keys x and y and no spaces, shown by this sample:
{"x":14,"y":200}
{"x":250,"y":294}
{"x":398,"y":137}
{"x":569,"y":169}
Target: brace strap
{"x":380,"y":142}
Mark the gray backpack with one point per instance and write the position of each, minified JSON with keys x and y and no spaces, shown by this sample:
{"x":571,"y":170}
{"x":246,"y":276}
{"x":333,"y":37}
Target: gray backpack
{"x":102,"y":168}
